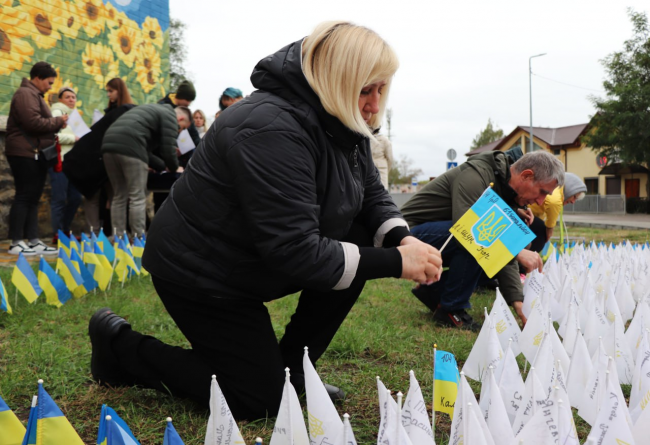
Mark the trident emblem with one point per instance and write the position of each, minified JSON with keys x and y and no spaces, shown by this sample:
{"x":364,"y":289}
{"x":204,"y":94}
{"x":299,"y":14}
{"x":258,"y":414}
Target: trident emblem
{"x":488,"y":230}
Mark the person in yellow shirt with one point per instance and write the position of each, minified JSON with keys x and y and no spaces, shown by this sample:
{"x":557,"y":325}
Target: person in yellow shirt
{"x":546,"y":215}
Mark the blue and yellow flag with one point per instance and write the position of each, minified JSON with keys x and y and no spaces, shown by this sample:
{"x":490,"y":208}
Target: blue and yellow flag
{"x":445,"y":382}
{"x":171,"y":436}
{"x":116,"y":428}
{"x":106,"y":269}
{"x":492,"y":232}
{"x":96,"y":267}
{"x":12,"y":430}
{"x":63,"y":242}
{"x":25,"y":280}
{"x":54,"y":288}
{"x":30,"y":434}
{"x":68,"y":271}
{"x":52,"y":428}
{"x":126,"y":263}
{"x":138,"y":251}
{"x":74,"y":244}
{"x":106,"y":246}
{"x":84,"y":240}
{"x":4,"y":301}
{"x":89,"y":282}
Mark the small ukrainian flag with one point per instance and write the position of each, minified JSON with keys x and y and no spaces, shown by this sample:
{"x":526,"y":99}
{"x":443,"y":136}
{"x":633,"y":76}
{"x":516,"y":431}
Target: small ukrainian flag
{"x":25,"y":280}
{"x":12,"y":430}
{"x":445,"y":382}
{"x":89,"y":282}
{"x":56,"y":292}
{"x":70,"y":274}
{"x":52,"y":427}
{"x":4,"y":301}
{"x":115,"y":427}
{"x":63,"y":242}
{"x":171,"y":437}
{"x":106,"y":246}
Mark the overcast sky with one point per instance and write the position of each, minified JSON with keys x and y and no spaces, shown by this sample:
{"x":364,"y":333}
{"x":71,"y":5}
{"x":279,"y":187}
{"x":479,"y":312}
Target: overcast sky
{"x":460,"y":62}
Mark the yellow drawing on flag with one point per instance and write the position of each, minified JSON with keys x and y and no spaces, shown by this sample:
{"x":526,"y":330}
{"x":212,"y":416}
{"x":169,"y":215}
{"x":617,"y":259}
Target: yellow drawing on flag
{"x":491,"y":232}
{"x":315,"y":426}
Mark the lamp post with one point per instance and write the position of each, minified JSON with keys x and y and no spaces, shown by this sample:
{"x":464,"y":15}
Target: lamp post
{"x":530,"y":92}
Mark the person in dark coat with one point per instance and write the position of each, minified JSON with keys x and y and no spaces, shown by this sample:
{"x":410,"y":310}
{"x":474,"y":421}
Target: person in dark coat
{"x":281,"y":196}
{"x":145,"y":138}
{"x":30,"y":129}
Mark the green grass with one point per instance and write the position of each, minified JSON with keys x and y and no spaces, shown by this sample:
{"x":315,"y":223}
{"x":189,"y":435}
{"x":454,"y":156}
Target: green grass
{"x":387,"y":333}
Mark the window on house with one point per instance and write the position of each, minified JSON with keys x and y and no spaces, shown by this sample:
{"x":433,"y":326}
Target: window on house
{"x":592,"y":186}
{"x":535,"y":146}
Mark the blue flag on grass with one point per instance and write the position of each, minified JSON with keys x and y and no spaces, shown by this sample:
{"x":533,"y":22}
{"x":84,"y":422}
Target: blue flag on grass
{"x":89,"y":282}
{"x":63,"y":241}
{"x":106,"y":246}
{"x":4,"y":301}
{"x":116,"y":429}
{"x":171,"y":436}
{"x":30,"y":434}
{"x":25,"y":280}
{"x":68,"y":271}
{"x":56,"y":292}
{"x":445,"y":382}
{"x":52,"y":427}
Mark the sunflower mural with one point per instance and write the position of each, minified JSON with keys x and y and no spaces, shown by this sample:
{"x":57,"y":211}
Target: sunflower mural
{"x":88,"y":42}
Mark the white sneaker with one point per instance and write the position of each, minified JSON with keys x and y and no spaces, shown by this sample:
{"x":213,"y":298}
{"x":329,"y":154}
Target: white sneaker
{"x":21,"y":247}
{"x":40,"y":248}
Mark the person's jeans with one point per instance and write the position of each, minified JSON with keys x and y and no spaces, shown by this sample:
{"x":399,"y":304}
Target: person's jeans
{"x":459,"y":282}
{"x":64,"y":203}
{"x":29,"y":178}
{"x":128,"y":177}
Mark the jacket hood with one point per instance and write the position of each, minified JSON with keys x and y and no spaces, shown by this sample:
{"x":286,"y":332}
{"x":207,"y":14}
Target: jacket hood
{"x":281,"y":74}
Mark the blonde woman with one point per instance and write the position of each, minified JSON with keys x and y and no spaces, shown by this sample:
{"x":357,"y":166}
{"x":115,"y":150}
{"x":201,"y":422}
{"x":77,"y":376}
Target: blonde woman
{"x":282,"y":197}
{"x":200,"y":122}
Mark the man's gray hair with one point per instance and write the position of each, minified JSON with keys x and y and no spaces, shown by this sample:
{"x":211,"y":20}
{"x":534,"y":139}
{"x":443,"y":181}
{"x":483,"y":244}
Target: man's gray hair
{"x":545,"y":166}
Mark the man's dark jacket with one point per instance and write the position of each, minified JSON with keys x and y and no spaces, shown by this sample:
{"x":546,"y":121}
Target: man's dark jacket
{"x":274,"y":184}
{"x":451,"y":194}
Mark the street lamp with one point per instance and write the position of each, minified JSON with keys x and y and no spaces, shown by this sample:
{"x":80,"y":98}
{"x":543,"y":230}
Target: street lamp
{"x":530,"y":91}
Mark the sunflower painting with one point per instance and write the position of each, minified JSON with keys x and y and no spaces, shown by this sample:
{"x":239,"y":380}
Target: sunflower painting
{"x":88,"y":42}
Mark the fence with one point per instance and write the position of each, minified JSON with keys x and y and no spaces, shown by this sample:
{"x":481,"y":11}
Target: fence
{"x":598,"y":204}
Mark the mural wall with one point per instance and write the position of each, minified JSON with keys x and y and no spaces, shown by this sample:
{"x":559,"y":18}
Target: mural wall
{"x":88,"y":42}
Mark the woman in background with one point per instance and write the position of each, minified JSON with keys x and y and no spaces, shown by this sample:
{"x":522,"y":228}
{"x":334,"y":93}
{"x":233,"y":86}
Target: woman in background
{"x":230,"y":96}
{"x":200,"y":122}
{"x":65,"y":197}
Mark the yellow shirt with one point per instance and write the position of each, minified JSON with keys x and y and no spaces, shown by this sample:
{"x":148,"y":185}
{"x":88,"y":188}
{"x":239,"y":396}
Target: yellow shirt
{"x":550,"y":211}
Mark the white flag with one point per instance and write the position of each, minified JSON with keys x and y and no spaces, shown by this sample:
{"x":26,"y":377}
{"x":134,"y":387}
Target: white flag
{"x":77,"y":124}
{"x":496,"y":416}
{"x":391,"y":430}
{"x":290,"y":426}
{"x":415,"y":417}
{"x":348,"y":434}
{"x":475,"y":434}
{"x":486,"y":352}
{"x":540,"y":429}
{"x":595,"y":390}
{"x":505,"y":324}
{"x":222,"y":428}
{"x":610,"y":426}
{"x":185,"y":142}
{"x":534,"y":394}
{"x":641,"y":379}
{"x":459,"y":425}
{"x":511,"y":385}
{"x":579,"y":371}
{"x":324,"y":420}
{"x":533,"y":333}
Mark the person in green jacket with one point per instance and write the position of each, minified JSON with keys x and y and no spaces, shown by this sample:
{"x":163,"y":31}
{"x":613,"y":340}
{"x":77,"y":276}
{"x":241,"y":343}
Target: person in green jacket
{"x":143,"y":138}
{"x":65,"y":197}
{"x":432,"y":211}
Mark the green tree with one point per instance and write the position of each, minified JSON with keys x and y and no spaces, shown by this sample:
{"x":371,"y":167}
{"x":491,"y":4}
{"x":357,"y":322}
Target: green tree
{"x":621,"y":127}
{"x":487,"y":135}
{"x":177,"y":53}
{"x":403,"y":171}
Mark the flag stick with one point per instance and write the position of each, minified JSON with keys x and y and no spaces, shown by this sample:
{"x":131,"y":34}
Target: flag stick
{"x":525,"y":365}
{"x":16,"y":299}
{"x":446,"y":242}
{"x":399,"y":416}
{"x":124,"y":276}
{"x":433,"y":393}
{"x":468,"y":408}
{"x":346,"y":420}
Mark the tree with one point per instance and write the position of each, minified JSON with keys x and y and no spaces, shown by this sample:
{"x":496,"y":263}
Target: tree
{"x":489,"y":134}
{"x":620,"y":128}
{"x":177,"y":53}
{"x":403,"y":171}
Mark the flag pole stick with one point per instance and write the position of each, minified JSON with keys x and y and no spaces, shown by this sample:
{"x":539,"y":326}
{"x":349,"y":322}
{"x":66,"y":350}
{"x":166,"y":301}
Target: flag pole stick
{"x":124,"y":276}
{"x":346,"y":420}
{"x":399,"y":415}
{"x":433,"y":393}
{"x":16,"y":299}
{"x":446,"y":242}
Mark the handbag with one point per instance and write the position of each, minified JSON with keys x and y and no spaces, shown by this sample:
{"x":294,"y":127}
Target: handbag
{"x":49,"y":153}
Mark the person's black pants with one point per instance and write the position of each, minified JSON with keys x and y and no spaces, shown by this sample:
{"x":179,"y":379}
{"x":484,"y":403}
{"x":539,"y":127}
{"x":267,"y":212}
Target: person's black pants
{"x":29,"y":179}
{"x":539,"y":229}
{"x":234,"y":339}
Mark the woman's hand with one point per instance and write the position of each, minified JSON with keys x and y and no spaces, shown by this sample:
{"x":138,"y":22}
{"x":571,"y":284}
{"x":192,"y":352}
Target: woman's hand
{"x":519,"y":309}
{"x":421,"y":262}
{"x":530,"y":260}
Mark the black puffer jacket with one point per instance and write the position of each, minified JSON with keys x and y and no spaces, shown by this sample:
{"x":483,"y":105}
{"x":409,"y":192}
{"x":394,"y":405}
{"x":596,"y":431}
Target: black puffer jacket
{"x":273,"y":186}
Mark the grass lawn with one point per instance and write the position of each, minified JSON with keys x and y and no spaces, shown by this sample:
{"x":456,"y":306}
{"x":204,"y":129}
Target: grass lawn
{"x":387,"y":334}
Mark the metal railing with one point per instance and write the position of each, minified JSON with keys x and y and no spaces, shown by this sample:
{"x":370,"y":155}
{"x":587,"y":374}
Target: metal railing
{"x":598,"y":204}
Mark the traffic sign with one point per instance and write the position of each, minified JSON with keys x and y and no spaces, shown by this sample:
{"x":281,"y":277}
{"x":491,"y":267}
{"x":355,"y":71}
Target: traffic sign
{"x":451,"y":165}
{"x":451,"y":155}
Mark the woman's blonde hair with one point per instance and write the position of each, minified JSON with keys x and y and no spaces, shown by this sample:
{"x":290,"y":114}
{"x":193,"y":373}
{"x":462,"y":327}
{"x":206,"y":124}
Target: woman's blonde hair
{"x":205,"y":121}
{"x":338,"y":60}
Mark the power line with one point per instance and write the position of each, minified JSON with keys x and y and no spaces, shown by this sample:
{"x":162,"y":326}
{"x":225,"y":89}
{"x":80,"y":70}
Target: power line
{"x":568,"y":84}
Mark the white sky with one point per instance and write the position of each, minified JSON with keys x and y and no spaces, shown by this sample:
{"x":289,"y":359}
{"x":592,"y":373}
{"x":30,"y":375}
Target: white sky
{"x":461,"y":62}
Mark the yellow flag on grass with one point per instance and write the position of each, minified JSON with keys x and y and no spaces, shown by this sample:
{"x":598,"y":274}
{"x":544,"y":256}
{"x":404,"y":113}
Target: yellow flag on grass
{"x":445,"y":382}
